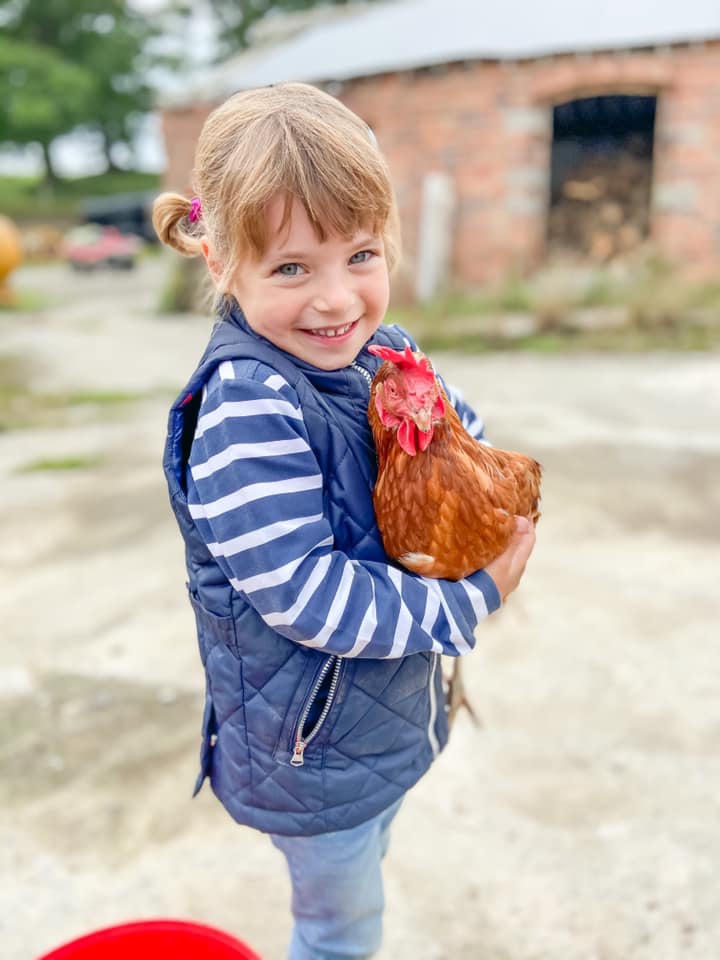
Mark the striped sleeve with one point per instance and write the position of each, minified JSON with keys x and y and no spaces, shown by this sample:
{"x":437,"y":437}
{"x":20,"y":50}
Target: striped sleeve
{"x":255,"y":492}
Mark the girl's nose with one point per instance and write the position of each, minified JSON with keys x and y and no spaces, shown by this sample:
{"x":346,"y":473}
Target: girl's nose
{"x":336,"y":297}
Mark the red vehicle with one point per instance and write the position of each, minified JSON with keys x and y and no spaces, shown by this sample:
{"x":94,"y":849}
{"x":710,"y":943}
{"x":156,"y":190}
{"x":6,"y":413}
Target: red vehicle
{"x":92,"y":245}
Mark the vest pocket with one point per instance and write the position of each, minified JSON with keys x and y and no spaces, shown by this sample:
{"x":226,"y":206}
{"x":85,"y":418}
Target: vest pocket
{"x":224,"y":734}
{"x":212,"y":629}
{"x":309,"y":711}
{"x":316,"y":709}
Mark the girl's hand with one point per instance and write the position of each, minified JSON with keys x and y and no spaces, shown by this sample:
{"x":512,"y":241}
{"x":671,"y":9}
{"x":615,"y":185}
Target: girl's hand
{"x":507,"y":569}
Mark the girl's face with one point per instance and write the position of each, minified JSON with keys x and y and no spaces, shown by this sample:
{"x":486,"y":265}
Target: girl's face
{"x":319,"y":301}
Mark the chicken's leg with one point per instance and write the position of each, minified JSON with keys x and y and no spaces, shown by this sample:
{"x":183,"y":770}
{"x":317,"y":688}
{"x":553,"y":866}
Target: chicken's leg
{"x":456,"y":695}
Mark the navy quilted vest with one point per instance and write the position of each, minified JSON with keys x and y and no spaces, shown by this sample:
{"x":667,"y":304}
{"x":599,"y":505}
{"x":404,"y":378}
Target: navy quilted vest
{"x":386,"y":719}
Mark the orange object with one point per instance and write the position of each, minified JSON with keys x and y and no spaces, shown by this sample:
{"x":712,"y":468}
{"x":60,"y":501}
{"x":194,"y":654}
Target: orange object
{"x":155,"y":940}
{"x":10,"y":257}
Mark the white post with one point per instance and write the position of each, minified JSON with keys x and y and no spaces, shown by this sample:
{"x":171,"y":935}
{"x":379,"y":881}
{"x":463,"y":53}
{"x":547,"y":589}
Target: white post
{"x":435,"y":236}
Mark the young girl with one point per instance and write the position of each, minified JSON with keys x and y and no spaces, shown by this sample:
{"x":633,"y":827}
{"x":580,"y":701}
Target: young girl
{"x":324,"y":695}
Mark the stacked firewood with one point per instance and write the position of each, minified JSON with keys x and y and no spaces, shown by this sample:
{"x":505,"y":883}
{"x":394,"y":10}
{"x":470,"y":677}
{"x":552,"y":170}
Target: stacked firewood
{"x":602,"y":210}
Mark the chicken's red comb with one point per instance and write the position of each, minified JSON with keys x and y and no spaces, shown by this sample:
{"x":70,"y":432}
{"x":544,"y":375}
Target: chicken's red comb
{"x":404,"y":360}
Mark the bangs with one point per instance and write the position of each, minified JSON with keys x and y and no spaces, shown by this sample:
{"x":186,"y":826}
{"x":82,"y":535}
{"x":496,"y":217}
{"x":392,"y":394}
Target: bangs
{"x":331,"y":214}
{"x":338,"y":176}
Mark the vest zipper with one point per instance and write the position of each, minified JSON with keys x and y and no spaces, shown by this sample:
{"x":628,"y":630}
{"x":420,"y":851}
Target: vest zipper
{"x":434,"y":745}
{"x":365,"y":373}
{"x":334,"y":664}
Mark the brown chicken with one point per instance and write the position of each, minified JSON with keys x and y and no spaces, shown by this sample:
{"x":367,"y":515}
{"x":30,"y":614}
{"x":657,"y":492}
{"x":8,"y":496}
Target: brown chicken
{"x":445,"y":503}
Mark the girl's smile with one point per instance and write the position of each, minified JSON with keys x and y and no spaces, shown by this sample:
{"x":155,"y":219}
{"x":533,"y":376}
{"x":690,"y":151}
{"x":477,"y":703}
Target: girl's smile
{"x":333,"y":333}
{"x":319,"y":300}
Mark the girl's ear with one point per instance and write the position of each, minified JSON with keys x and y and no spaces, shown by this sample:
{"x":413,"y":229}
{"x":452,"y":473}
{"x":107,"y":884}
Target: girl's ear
{"x":214,"y":265}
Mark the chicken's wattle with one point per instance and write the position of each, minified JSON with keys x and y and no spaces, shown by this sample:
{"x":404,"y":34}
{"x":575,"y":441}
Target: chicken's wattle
{"x":410,"y":437}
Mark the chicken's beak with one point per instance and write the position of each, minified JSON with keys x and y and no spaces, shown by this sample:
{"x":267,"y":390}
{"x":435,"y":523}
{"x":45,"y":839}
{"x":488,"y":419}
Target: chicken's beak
{"x":423,"y":420}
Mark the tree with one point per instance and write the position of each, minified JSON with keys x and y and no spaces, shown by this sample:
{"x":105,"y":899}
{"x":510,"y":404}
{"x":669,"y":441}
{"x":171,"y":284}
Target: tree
{"x":103,"y":39}
{"x":41,"y":96}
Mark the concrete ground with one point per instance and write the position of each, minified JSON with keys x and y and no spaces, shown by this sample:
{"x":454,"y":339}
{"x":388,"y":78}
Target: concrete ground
{"x":582,"y":822}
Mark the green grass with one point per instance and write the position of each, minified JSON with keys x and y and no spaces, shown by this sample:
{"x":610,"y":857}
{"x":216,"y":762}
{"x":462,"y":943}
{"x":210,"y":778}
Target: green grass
{"x":28,"y":198}
{"x":512,"y":295}
{"x":25,"y":301}
{"x":632,"y":339}
{"x":61,"y":464}
{"x":100,"y":398}
{"x":650,"y":307}
{"x":23,"y":408}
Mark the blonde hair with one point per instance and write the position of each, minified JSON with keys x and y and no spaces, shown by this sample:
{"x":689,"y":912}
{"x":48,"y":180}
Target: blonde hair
{"x":290,"y":139}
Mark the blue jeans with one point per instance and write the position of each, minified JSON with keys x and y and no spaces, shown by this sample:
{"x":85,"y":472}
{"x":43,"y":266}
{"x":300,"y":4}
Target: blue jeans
{"x":337,"y":891}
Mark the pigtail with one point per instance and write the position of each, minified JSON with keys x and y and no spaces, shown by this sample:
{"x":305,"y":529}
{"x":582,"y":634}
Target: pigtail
{"x":177,"y":224}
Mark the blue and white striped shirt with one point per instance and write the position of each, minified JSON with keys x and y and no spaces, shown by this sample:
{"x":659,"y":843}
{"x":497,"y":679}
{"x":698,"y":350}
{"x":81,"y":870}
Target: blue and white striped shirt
{"x":255,"y":492}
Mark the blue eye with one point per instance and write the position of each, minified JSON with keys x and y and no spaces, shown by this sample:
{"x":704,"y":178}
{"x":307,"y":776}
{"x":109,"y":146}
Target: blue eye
{"x":362,"y":257}
{"x":289,"y":269}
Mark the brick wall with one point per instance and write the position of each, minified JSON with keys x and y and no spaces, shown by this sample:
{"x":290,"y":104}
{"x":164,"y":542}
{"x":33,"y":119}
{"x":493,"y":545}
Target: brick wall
{"x":489,"y":125}
{"x":181,"y":127}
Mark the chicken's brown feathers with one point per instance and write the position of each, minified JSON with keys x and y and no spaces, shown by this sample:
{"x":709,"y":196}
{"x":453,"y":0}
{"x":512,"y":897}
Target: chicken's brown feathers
{"x":449,"y":510}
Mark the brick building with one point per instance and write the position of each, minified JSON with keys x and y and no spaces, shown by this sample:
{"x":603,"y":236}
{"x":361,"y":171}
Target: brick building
{"x":560,"y":126}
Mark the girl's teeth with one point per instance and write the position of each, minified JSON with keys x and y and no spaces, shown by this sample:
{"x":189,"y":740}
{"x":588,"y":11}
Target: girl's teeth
{"x":337,"y":332}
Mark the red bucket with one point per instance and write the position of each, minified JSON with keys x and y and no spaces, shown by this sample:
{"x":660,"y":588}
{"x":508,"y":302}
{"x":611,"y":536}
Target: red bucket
{"x":155,"y":940}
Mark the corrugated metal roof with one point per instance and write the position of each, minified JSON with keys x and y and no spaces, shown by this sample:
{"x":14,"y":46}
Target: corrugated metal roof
{"x":407,"y":34}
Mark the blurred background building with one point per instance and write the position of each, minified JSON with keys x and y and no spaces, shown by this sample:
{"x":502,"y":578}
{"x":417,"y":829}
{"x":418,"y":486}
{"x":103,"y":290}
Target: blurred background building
{"x":551,"y":130}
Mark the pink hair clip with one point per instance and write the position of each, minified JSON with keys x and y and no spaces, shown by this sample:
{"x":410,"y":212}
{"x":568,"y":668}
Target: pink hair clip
{"x":195,"y":210}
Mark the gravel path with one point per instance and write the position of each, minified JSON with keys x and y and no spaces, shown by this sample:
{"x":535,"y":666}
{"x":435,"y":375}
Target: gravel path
{"x":582,"y":822}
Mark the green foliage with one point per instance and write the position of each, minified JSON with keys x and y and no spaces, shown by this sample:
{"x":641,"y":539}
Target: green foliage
{"x":41,"y":94}
{"x":24,"y":198}
{"x":106,"y":184}
{"x":73,"y":62}
{"x":66,"y":64}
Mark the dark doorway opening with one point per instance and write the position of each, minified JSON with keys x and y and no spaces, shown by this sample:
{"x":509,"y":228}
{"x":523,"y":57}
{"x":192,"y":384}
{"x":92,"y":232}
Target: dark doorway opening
{"x":601,"y":176}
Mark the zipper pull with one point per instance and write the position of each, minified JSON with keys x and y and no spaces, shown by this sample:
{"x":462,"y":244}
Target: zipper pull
{"x":297,"y":759}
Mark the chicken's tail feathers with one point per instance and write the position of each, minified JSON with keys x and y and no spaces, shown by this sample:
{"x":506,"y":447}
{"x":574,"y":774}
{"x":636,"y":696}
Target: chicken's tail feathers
{"x":420,"y":563}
